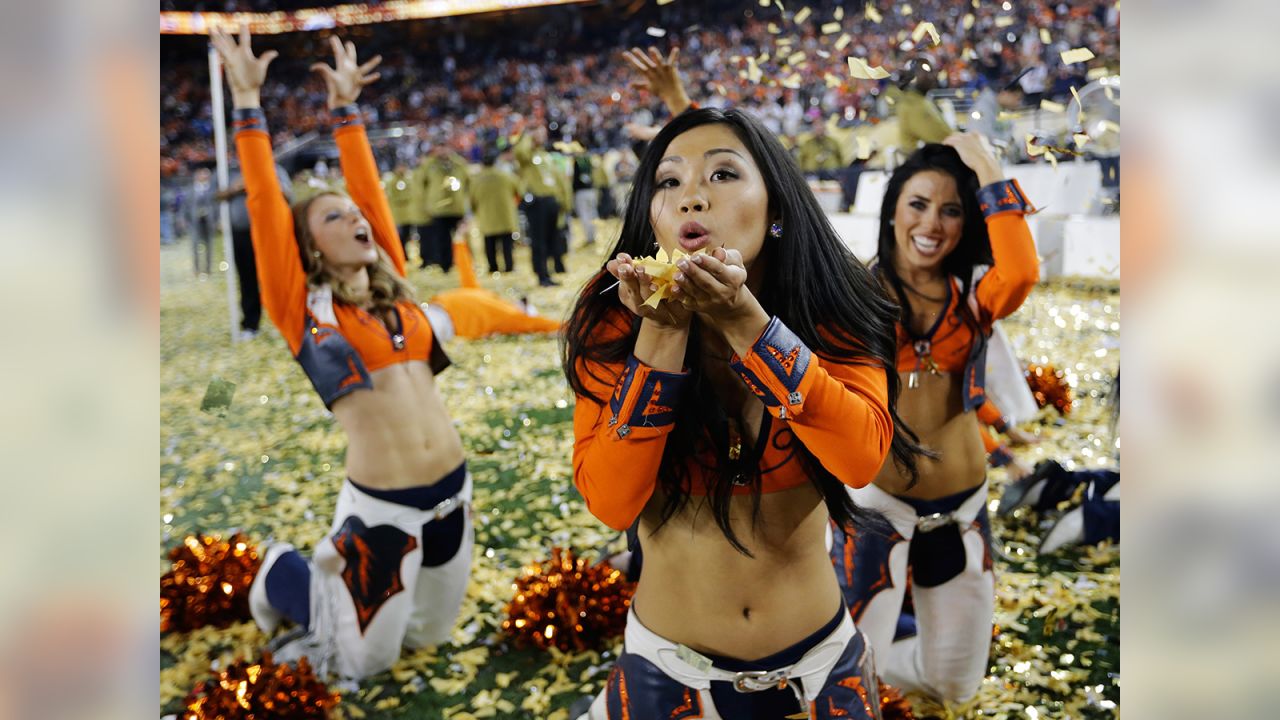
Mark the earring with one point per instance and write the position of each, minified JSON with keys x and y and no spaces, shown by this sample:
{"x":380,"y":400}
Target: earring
{"x":315,"y":254}
{"x":890,"y":221}
{"x":775,"y":229}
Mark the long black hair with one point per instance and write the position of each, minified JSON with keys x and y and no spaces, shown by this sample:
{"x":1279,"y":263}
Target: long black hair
{"x":816,"y":287}
{"x":975,"y":244}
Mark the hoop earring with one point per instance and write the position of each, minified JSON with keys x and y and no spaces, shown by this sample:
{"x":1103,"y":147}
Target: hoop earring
{"x":775,"y":230}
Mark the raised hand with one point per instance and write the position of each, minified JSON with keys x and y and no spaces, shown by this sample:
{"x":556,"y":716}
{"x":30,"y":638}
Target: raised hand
{"x":660,"y":76}
{"x":635,"y":286}
{"x":245,"y":73}
{"x":975,"y":153}
{"x":347,"y":77}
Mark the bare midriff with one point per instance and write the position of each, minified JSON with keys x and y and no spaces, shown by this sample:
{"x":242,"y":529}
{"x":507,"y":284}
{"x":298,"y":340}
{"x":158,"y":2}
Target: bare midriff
{"x":697,"y":590}
{"x":934,"y":409}
{"x":399,"y":433}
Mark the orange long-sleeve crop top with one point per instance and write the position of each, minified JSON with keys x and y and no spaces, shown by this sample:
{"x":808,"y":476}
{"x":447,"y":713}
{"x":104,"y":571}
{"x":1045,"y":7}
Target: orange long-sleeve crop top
{"x":954,"y":345}
{"x":338,"y":345}
{"x":838,"y":411}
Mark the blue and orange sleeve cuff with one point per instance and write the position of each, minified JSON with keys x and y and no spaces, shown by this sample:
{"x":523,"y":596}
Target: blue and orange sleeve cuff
{"x":777,"y":369}
{"x":1003,"y":197}
{"x":1000,"y":457}
{"x":644,"y":400}
{"x":345,"y":116}
{"x":248,"y":119}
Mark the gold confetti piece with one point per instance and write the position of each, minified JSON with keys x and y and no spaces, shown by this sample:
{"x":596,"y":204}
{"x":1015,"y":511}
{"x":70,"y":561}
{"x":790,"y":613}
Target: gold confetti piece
{"x":655,"y":32}
{"x":859,"y":68}
{"x":968,"y":21}
{"x":764,"y":58}
{"x":662,"y":269}
{"x":792,"y":82}
{"x":921,"y":29}
{"x":830,"y":28}
{"x":1053,"y":159}
{"x":873,"y":15}
{"x":1033,"y":149}
{"x":1052,"y":106}
{"x":1110,"y":126}
{"x":843,"y":41}
{"x":1045,"y":37}
{"x":1004,"y":21}
{"x":773,"y":28}
{"x":665,"y":2}
{"x":839,"y":13}
{"x":779,"y":4}
{"x":796,"y":57}
{"x":823,"y":54}
{"x":1070,"y":57}
{"x":1106,"y":90}
{"x":764,"y":3}
{"x":1097,"y":73}
{"x":803,"y":15}
{"x":1080,"y":139}
{"x":753,"y":71}
{"x":969,"y":54}
{"x":906,"y":10}
{"x":831,"y":80}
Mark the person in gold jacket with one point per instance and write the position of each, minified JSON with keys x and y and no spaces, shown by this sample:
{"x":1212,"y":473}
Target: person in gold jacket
{"x":419,"y":217}
{"x":919,"y":120}
{"x":541,"y":197}
{"x":819,"y":154}
{"x":495,"y":195}
{"x":446,"y":197}
{"x":399,"y":190}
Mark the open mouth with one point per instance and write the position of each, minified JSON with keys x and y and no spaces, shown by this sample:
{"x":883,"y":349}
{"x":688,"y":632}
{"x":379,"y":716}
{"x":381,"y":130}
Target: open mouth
{"x":362,"y":236}
{"x":926,"y":245}
{"x":693,"y":236}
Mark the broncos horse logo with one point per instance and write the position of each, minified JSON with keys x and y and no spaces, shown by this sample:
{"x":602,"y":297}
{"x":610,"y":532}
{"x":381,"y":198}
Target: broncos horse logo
{"x":372,"y":571}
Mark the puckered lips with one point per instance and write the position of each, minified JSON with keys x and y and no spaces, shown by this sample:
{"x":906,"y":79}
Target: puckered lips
{"x":693,"y":236}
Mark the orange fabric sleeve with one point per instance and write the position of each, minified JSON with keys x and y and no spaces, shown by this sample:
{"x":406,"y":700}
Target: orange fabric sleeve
{"x":1016,"y":269}
{"x":282,"y":282}
{"x":826,"y":403}
{"x":618,"y":446}
{"x":989,"y":443}
{"x":364,"y":184}
{"x":989,"y":414}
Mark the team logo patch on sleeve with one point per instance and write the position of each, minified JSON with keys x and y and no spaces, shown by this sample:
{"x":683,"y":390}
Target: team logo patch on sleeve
{"x":372,"y":571}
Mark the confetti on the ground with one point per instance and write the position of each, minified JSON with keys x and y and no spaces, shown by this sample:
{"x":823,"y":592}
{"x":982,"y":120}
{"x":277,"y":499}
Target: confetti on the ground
{"x":514,"y":412}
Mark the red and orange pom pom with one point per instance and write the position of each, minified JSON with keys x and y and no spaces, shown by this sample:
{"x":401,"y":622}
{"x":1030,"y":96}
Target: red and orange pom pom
{"x":208,"y":584}
{"x":1049,"y":386}
{"x":261,"y":690}
{"x":893,"y":704}
{"x":567,"y":603}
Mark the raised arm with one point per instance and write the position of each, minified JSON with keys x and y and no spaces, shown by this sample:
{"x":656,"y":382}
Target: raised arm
{"x":280,"y":275}
{"x":344,"y":81}
{"x":1017,"y":268}
{"x":660,"y":76}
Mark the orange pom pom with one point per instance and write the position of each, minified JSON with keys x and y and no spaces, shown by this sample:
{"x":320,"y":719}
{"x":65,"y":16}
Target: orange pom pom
{"x":261,"y":690}
{"x":568,"y":604}
{"x":208,"y":584}
{"x":1049,"y":387}
{"x":893,"y":704}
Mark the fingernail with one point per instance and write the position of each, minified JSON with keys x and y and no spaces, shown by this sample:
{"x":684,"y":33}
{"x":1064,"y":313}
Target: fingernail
{"x":679,"y":277}
{"x":697,"y":259}
{"x":683,"y":264}
{"x":653,"y":287}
